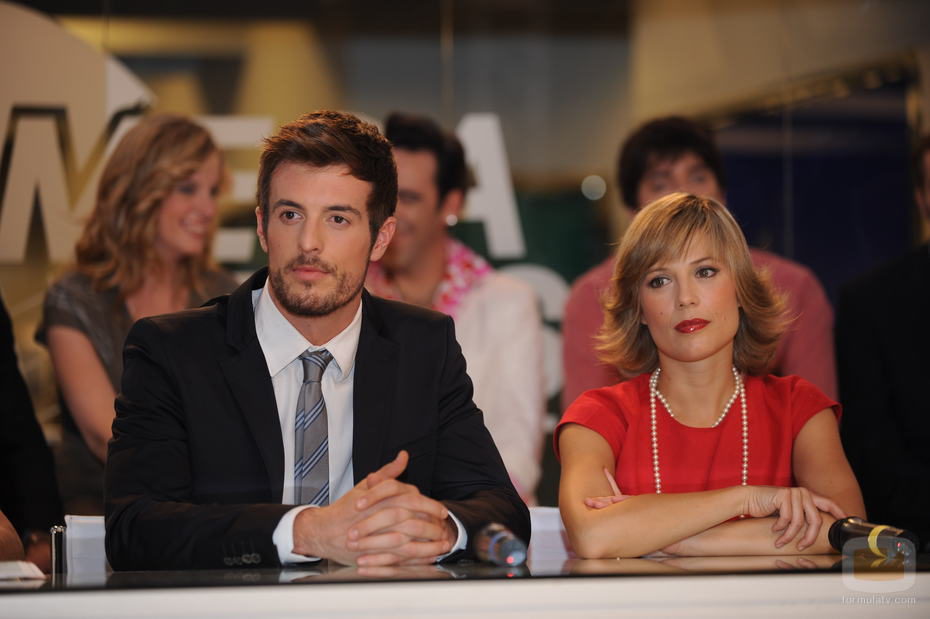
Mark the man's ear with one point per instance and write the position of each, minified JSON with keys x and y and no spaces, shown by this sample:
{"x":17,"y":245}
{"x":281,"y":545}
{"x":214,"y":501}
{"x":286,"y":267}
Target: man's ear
{"x":260,"y":228}
{"x":452,"y":205}
{"x":383,"y":238}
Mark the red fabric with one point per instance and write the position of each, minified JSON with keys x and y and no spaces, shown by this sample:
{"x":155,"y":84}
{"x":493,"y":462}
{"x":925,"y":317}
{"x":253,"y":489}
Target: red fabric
{"x":695,"y":459}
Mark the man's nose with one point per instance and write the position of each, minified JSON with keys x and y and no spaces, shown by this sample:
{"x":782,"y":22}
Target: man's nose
{"x":310,"y":239}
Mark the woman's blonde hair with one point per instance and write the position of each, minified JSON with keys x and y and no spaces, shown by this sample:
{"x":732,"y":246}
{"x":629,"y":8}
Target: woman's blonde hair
{"x":661,"y":231}
{"x":117,"y":245}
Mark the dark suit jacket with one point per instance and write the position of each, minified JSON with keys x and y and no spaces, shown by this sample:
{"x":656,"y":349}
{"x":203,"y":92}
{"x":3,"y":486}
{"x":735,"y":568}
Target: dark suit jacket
{"x":196,"y":465}
{"x":883,"y":362}
{"x":28,"y":490}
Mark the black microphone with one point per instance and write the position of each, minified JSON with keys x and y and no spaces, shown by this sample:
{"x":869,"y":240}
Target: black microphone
{"x":882,"y":540}
{"x":497,"y":544}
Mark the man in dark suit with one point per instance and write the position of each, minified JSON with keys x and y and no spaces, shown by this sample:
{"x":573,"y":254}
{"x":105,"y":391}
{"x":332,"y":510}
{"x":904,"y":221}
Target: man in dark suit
{"x":28,"y":490}
{"x":300,"y":417}
{"x":883,"y":357}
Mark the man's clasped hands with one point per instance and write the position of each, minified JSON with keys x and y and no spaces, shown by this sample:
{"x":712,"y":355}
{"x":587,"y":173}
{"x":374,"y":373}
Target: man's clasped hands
{"x":381,"y":521}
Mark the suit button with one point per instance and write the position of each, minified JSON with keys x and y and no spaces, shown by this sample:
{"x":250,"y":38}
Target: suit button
{"x":246,"y":558}
{"x":227,"y":561}
{"x":237,"y":560}
{"x":256,"y":558}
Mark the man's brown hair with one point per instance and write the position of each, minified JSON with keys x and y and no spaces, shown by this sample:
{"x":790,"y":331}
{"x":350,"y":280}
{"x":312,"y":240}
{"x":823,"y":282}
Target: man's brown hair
{"x":329,"y":138}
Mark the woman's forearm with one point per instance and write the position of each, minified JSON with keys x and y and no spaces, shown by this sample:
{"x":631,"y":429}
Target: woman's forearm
{"x":647,"y":523}
{"x":752,"y":536}
{"x":97,"y":440}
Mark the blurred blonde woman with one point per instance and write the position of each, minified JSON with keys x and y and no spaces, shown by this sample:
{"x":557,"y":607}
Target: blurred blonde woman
{"x":145,"y":250}
{"x":701,"y":452}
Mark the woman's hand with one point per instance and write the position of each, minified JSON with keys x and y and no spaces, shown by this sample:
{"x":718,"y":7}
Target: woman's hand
{"x":798,"y":510}
{"x":600,"y":502}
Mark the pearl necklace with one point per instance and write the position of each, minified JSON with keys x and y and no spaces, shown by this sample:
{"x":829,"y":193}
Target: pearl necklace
{"x":653,"y":385}
{"x":654,"y":394}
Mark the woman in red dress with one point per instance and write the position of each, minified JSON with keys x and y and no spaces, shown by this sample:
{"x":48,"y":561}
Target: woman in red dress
{"x":702,"y":453}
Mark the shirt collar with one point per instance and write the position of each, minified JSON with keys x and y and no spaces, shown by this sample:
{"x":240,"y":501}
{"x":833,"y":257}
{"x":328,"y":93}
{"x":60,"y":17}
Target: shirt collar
{"x":281,"y":342}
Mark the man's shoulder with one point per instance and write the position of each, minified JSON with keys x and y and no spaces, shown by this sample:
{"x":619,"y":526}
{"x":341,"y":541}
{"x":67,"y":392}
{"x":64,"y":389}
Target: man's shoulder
{"x":228,"y":312}
{"x":397,"y":314}
{"x":884,"y":282}
{"x":189,"y":325}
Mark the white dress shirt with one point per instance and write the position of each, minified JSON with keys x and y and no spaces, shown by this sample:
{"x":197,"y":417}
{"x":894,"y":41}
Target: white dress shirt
{"x":282,"y":345}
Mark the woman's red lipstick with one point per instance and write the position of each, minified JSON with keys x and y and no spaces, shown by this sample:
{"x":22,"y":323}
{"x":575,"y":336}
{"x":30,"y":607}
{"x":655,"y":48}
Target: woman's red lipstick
{"x":690,"y":326}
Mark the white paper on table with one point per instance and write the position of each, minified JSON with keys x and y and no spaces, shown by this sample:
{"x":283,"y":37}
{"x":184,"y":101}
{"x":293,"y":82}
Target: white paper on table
{"x":20,"y":570}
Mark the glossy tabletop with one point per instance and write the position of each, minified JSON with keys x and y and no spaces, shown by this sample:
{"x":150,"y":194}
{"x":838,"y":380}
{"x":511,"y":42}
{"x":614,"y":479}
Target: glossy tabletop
{"x":663,"y":586}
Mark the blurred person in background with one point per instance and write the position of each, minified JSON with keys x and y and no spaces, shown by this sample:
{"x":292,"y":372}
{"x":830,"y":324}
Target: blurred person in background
{"x":497,"y":320}
{"x":882,"y":358}
{"x":28,"y":491}
{"x":664,"y":156}
{"x":144,"y":251}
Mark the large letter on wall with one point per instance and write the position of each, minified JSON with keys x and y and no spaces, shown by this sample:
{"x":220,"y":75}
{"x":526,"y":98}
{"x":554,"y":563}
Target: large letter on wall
{"x":491,"y":201}
{"x":36,"y":170}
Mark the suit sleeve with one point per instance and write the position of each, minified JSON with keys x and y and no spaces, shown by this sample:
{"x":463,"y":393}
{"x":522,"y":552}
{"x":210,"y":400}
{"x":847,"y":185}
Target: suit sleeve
{"x":151,"y":520}
{"x":469,"y":475}
{"x":28,"y":490}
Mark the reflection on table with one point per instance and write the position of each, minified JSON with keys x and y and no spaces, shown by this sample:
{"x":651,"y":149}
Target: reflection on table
{"x":657,"y":586}
{"x":327,"y":572}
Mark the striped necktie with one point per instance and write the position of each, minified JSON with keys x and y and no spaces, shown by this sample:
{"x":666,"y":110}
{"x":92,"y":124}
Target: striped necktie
{"x":311,"y":444}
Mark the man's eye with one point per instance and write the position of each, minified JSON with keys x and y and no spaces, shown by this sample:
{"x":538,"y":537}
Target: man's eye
{"x":339,"y":219}
{"x":289,"y":215}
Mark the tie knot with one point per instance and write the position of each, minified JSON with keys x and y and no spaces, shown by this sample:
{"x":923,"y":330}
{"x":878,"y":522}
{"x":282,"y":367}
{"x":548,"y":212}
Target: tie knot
{"x":314,"y":364}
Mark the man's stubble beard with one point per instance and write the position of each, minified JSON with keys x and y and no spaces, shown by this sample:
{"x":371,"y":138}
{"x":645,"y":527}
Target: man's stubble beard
{"x":309,"y":305}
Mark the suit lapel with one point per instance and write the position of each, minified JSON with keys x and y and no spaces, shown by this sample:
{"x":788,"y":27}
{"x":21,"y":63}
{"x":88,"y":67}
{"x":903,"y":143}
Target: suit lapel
{"x":247,"y":376}
{"x":375,"y":379}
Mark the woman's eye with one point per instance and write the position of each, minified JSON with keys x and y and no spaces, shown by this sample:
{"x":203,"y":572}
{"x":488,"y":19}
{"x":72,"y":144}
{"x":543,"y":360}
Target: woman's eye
{"x":188,"y":189}
{"x":706,"y":272}
{"x":657,"y":282}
